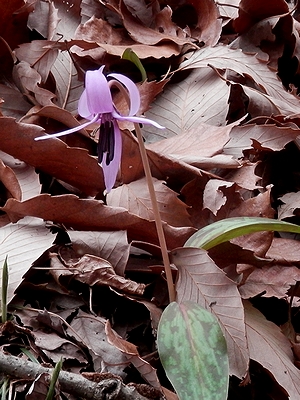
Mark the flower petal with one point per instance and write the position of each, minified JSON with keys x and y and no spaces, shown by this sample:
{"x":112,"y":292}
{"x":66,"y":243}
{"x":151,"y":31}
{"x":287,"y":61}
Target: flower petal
{"x":98,"y":96}
{"x":133,"y":92}
{"x":66,"y":132}
{"x":139,"y":120}
{"x":110,"y":171}
{"x":83,"y":108}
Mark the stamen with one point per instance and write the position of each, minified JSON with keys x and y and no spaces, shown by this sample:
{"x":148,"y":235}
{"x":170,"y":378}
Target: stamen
{"x":106,"y":143}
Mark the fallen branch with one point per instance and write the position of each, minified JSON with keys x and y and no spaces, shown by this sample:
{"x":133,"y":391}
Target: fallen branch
{"x":108,"y":389}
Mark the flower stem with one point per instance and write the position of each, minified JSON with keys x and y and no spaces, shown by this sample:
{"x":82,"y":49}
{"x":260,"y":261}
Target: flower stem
{"x":158,"y":222}
{"x":157,"y":218}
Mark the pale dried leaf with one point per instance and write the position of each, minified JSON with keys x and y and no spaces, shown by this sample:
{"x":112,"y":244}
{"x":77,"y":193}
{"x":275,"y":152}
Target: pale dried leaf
{"x":23,"y":243}
{"x":270,"y":281}
{"x":28,"y":179}
{"x":112,"y":246}
{"x":136,"y":199}
{"x":200,"y":98}
{"x":90,"y":332}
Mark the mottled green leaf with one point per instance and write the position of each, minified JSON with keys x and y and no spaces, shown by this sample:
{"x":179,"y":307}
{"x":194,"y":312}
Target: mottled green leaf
{"x":229,"y":228}
{"x":193,"y":352}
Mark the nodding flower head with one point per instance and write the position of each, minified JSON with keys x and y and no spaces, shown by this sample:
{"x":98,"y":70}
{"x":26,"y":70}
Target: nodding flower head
{"x":96,"y":105}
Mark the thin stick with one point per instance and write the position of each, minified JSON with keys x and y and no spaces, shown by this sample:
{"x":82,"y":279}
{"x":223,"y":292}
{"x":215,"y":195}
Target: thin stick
{"x":157,"y":218}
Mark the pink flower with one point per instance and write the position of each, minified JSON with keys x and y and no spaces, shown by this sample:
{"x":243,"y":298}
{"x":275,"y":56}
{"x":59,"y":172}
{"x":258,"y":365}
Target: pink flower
{"x":96,"y":105}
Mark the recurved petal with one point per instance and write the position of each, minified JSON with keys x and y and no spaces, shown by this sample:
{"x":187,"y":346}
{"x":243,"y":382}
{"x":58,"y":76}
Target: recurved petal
{"x":66,"y":132}
{"x":98,"y":96}
{"x":139,"y":120}
{"x":133,"y":92}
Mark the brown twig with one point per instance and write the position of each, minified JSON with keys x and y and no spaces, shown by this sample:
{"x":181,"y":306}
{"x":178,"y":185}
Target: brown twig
{"x":71,"y":383}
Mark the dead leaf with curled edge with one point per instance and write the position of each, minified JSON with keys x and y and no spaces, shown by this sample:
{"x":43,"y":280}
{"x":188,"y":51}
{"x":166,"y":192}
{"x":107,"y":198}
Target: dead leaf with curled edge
{"x":94,"y":271}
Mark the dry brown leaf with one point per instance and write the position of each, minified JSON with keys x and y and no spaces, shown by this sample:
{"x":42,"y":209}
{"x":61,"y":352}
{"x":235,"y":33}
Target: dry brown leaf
{"x":270,"y":281}
{"x":89,"y":331}
{"x":269,"y":347}
{"x":39,"y":54}
{"x":96,"y":271}
{"x":284,"y":251}
{"x":136,"y":199}
{"x":131,"y":353}
{"x":29,"y":79}
{"x":261,"y":137}
{"x":251,"y":11}
{"x":10,"y":181}
{"x":112,"y":246}
{"x":22,"y":243}
{"x":201,"y":281}
{"x":200,"y":98}
{"x":86,"y":214}
{"x":266,"y":81}
{"x":142,"y":34}
{"x":290,"y":206}
{"x":213,"y":196}
{"x":28,"y":179}
{"x":209,"y":26}
{"x":54,"y":158}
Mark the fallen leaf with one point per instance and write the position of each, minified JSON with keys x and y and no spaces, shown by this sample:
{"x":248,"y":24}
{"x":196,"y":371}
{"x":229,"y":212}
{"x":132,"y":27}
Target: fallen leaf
{"x":89,"y":214}
{"x":94,"y":270}
{"x":22,"y":243}
{"x":270,"y":281}
{"x":269,"y":347}
{"x":136,"y":199}
{"x":131,"y":353}
{"x":111,"y":246}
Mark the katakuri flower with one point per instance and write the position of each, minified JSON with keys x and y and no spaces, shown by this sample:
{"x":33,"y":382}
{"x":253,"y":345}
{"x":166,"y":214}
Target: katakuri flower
{"x":96,"y":105}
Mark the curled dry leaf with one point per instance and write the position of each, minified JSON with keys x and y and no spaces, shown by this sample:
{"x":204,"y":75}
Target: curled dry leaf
{"x":89,"y":331}
{"x":94,"y":270}
{"x":10,"y":181}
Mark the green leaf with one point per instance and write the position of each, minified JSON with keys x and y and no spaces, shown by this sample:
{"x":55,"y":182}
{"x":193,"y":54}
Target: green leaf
{"x":4,"y":291}
{"x":229,"y":228}
{"x":193,"y":352}
{"x":130,"y":55}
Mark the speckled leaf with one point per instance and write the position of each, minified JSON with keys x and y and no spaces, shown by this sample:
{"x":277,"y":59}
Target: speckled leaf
{"x":229,"y":228}
{"x":193,"y":352}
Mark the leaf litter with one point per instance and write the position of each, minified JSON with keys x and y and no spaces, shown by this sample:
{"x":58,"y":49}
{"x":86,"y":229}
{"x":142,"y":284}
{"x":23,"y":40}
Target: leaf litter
{"x":86,"y":280}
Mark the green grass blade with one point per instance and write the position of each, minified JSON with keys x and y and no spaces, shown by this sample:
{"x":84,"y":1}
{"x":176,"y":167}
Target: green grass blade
{"x":4,"y":291}
{"x":229,"y":228}
{"x":29,"y":355}
{"x":54,"y":377}
{"x":4,"y":389}
{"x":193,"y":352}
